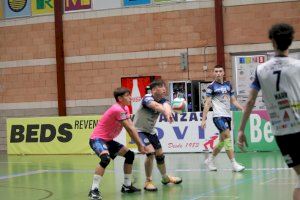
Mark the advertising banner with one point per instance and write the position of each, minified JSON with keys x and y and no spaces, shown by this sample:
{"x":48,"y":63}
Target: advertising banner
{"x":163,"y":1}
{"x":70,"y":135}
{"x":1,"y":9}
{"x":74,"y":5}
{"x":258,"y":131}
{"x":106,"y":4}
{"x":245,"y":67}
{"x":42,"y":7}
{"x":51,"y":135}
{"x":16,"y":8}
{"x":136,"y":2}
{"x":185,"y":133}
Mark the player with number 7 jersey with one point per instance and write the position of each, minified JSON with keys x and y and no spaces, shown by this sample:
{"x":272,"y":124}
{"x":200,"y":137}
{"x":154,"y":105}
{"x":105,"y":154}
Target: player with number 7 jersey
{"x":279,"y":81}
{"x":280,"y":78}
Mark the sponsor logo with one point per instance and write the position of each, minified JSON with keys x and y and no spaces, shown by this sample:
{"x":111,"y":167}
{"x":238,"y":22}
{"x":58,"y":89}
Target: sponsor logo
{"x":34,"y":133}
{"x":282,"y":95}
{"x":123,"y":115}
{"x":146,"y":140}
{"x":286,"y":116}
{"x":136,"y":99}
{"x":283,"y":104}
{"x":276,"y":122}
{"x":274,"y":115}
{"x":17,"y":5}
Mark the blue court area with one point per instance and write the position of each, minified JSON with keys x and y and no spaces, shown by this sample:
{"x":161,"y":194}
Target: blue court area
{"x":67,"y":177}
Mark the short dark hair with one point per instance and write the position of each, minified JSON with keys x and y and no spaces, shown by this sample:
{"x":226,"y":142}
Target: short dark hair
{"x":218,"y":66}
{"x":156,"y":83}
{"x":282,"y":34}
{"x":120,"y":92}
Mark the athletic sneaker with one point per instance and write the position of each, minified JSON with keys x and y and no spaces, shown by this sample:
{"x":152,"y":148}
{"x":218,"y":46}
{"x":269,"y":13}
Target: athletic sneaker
{"x":171,"y":179}
{"x":129,"y":189}
{"x":236,"y":167}
{"x":210,"y":164}
{"x":149,"y":186}
{"x":95,"y":194}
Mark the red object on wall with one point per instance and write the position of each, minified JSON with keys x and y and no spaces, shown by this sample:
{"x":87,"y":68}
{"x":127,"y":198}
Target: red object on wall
{"x":142,"y":83}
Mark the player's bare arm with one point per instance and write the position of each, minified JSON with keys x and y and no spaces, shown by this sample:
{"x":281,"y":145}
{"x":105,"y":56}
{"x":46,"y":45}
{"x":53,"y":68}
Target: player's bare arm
{"x":234,"y":101}
{"x":165,"y":109}
{"x":207,"y":106}
{"x":128,"y":125}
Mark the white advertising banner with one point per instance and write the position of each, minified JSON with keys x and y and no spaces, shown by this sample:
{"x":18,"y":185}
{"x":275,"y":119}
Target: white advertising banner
{"x":185,"y":133}
{"x":245,"y":67}
{"x":106,"y":4}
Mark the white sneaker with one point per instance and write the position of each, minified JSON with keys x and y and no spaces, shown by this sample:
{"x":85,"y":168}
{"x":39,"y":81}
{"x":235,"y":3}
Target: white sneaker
{"x":210,"y":164}
{"x":236,"y":167}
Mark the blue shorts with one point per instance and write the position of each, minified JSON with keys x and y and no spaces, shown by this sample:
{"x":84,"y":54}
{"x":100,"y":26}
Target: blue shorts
{"x":98,"y":145}
{"x":148,"y":139}
{"x":222,"y":123}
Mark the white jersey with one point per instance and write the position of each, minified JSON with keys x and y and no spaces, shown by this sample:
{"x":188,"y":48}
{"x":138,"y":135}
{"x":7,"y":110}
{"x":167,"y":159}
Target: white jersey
{"x":279,"y":80}
{"x":221,"y":94}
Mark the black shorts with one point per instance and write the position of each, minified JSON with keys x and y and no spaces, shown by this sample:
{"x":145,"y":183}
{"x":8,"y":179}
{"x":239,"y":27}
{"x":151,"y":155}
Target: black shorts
{"x":289,"y":147}
{"x":148,"y":139}
{"x":98,"y":145}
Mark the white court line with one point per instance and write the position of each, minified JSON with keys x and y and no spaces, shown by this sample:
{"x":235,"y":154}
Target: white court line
{"x":262,"y":183}
{"x":229,"y":169}
{"x":14,"y":162}
{"x":173,"y":170}
{"x":222,"y":197}
{"x":114,"y":171}
{"x":272,"y":181}
{"x":22,"y":174}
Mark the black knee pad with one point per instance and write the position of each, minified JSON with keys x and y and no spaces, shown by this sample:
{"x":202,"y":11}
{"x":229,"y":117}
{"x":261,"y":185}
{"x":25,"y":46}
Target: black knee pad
{"x":105,"y":159}
{"x":150,"y":154}
{"x":129,"y":157}
{"x":160,"y":159}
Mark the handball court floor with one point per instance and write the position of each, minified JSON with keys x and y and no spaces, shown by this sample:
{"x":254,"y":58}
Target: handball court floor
{"x":68,"y":177}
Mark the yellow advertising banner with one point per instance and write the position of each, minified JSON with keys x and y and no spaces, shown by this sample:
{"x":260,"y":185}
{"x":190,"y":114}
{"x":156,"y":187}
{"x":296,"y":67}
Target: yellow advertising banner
{"x":1,"y":9}
{"x":40,"y":7}
{"x":50,"y":135}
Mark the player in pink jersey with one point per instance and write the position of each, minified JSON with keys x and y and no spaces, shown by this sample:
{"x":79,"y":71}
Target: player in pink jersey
{"x":102,"y":143}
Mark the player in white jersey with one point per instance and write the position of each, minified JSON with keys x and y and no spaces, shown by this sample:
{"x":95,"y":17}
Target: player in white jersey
{"x":279,"y":81}
{"x":221,"y":94}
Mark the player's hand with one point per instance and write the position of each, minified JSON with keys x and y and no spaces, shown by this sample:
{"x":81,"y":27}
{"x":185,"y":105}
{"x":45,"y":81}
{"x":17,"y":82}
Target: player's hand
{"x":169,"y":118}
{"x":142,"y":149}
{"x":203,"y":124}
{"x":242,"y":141}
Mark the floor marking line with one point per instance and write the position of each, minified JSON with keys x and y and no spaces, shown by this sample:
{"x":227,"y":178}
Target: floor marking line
{"x":22,"y":174}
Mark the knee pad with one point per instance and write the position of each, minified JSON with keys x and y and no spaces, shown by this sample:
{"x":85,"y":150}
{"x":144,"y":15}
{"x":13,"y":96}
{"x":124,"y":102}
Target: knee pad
{"x":150,"y":154}
{"x":220,"y":145}
{"x":160,"y":159}
{"x":227,"y":144}
{"x":105,"y":159}
{"x":129,"y":157}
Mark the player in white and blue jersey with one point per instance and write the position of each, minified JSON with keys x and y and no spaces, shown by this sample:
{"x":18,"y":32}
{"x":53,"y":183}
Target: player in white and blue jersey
{"x":221,"y":95}
{"x":279,"y":81}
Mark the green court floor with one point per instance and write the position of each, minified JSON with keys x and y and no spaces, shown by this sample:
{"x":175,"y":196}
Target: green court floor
{"x":68,"y":177}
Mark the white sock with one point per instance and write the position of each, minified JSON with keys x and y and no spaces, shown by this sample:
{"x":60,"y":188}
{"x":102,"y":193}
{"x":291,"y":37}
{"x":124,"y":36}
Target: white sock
{"x":298,"y":184}
{"x":96,"y":181}
{"x":127,"y":179}
{"x":211,"y":157}
{"x":233,"y":160}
